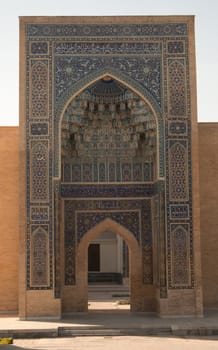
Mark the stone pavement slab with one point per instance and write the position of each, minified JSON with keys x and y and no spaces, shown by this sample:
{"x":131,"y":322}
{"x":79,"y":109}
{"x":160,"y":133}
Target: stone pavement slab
{"x":116,"y":343}
{"x":109,"y":323}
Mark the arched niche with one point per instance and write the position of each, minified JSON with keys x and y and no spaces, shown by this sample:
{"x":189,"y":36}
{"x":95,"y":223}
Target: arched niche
{"x":79,"y":88}
{"x":108,"y":134}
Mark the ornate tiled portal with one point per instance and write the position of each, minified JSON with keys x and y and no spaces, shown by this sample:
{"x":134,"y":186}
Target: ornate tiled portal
{"x":108,"y":115}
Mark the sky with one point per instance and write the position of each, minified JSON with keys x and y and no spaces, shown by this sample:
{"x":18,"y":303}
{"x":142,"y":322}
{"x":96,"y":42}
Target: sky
{"x":206,"y":36}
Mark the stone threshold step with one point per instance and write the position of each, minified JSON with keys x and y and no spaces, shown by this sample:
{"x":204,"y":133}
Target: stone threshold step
{"x":85,"y":331}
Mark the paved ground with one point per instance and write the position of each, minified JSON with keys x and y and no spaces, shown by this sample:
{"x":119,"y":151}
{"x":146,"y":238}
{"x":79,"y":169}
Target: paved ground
{"x":115,"y":319}
{"x":110,"y":324}
{"x":108,"y":297}
{"x":115,"y":343}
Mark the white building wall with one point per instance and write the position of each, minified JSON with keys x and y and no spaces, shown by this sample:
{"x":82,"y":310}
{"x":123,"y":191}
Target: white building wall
{"x":111,"y":257}
{"x":108,"y":256}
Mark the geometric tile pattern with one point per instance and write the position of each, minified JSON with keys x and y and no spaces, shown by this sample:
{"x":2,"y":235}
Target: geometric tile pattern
{"x":177,"y":87}
{"x":180,"y":255}
{"x":175,"y":47}
{"x":108,"y":191}
{"x":39,"y":48}
{"x":39,"y":129}
{"x":72,"y":69}
{"x":179,"y":211}
{"x":107,"y":171}
{"x":178,"y":173}
{"x":39,"y":256}
{"x":39,"y":171}
{"x":178,"y":127}
{"x":39,"y":90}
{"x":107,"y":30}
{"x":39,"y":213}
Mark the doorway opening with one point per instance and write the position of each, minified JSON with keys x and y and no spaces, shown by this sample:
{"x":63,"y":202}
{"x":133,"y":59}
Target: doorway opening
{"x":108,"y":273}
{"x":94,"y":258}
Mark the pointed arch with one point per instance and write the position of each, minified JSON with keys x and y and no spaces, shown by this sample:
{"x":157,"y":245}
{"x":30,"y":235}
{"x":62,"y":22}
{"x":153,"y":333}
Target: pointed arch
{"x":130,"y":83}
{"x":115,"y":227}
{"x":136,"y":296}
{"x":85,"y":82}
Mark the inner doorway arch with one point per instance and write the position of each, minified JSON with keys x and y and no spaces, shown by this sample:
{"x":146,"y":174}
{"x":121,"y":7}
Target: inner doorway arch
{"x":142,"y":297}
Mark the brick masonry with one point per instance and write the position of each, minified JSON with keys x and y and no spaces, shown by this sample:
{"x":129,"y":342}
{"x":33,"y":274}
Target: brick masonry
{"x":208,"y":164}
{"x":9,"y":219}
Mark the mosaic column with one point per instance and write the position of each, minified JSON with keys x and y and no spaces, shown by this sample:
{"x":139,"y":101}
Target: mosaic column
{"x":57,"y":238}
{"x":39,"y":163}
{"x":178,"y":169}
{"x":162,"y":242}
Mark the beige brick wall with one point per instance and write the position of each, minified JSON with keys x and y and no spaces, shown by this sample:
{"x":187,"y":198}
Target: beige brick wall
{"x":42,"y":304}
{"x":9,"y":186}
{"x":208,"y":163}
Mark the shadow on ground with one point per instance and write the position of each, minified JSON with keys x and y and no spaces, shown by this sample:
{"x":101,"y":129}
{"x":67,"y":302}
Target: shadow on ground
{"x":13,"y":347}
